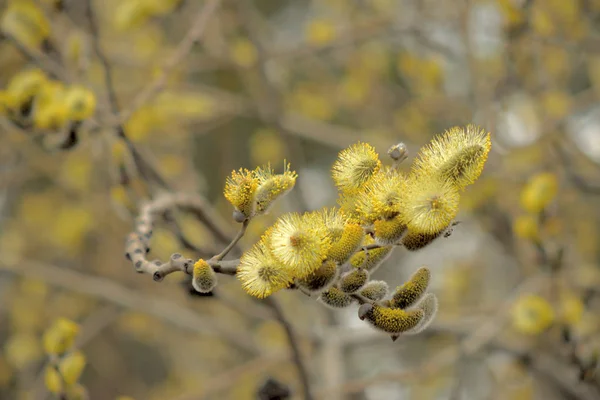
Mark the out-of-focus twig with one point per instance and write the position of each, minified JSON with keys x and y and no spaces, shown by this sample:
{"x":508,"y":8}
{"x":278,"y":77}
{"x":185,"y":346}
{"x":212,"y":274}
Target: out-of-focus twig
{"x":128,"y":298}
{"x":183,"y":49}
{"x":294,"y":346}
{"x":37,"y":57}
{"x":577,"y":180}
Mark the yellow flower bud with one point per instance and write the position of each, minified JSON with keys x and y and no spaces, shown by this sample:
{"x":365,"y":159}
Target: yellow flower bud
{"x":272,"y":186}
{"x":412,"y":290}
{"x":414,"y":241}
{"x":390,"y":320}
{"x":532,"y":314}
{"x":321,"y":279}
{"x":320,"y":32}
{"x":389,"y":232}
{"x":239,"y":191}
{"x":345,"y":246}
{"x":53,"y":380}
{"x":335,"y":298}
{"x":26,"y":22}
{"x":243,"y":53}
{"x":355,"y":166}
{"x":71,"y":367}
{"x":77,"y":392}
{"x":204,"y":278}
{"x":526,"y":227}
{"x":457,"y":156}
{"x":374,"y":257}
{"x":80,"y":103}
{"x":429,"y":306}
{"x":352,"y":281}
{"x":53,"y":117}
{"x":539,"y":192}
{"x":60,"y":336}
{"x":25,"y":85}
{"x":374,"y":290}
{"x":130,"y":14}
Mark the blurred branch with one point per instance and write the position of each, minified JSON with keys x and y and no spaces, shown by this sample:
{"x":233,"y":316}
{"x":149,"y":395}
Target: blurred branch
{"x":294,"y":346}
{"x":225,"y":379}
{"x":129,"y":298}
{"x":37,"y":57}
{"x":577,"y":180}
{"x":183,"y":49}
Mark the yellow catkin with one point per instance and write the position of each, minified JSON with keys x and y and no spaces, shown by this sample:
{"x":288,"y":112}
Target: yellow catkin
{"x":381,"y":196}
{"x":52,"y":380}
{"x":374,"y":290}
{"x":272,"y":186}
{"x":80,"y":102}
{"x":71,"y":367}
{"x":429,"y":305}
{"x":412,"y":290}
{"x":526,"y":227}
{"x":260,"y":273}
{"x":204,"y":278}
{"x":390,"y":320}
{"x":239,"y":190}
{"x":60,"y":336}
{"x":430,"y":204}
{"x":389,"y":232}
{"x":321,"y":279}
{"x":299,"y":243}
{"x":539,"y":192}
{"x":25,"y":85}
{"x":532,"y":314}
{"x":352,"y":281}
{"x":371,"y":259}
{"x":414,"y":241}
{"x":335,"y":298}
{"x":350,"y":240}
{"x":458,"y":155}
{"x":355,"y":166}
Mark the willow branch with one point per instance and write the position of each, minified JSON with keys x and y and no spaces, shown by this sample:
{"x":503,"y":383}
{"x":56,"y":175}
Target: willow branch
{"x":293,"y":343}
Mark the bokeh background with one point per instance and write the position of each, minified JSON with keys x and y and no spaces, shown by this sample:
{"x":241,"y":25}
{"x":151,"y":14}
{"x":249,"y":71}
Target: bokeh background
{"x":205,"y":87}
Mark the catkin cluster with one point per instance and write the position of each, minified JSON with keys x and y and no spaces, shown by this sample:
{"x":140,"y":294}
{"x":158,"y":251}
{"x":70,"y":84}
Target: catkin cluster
{"x":31,"y":100}
{"x":332,"y":252}
{"x":65,"y":364}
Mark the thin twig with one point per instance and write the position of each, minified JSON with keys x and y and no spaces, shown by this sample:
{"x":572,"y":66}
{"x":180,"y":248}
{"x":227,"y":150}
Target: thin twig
{"x":49,"y":66}
{"x":183,"y":49}
{"x":233,"y":243}
{"x":293,"y":343}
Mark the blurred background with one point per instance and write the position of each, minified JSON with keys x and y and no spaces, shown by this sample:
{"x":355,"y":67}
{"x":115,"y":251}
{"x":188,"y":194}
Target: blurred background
{"x":196,"y":89}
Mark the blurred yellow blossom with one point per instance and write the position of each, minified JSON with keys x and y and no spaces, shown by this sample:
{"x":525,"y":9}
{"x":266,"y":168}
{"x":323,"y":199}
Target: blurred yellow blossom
{"x":539,"y":192}
{"x":532,"y":314}
{"x":243,"y":52}
{"x":526,"y":227}
{"x":22,"y":349}
{"x":320,"y":32}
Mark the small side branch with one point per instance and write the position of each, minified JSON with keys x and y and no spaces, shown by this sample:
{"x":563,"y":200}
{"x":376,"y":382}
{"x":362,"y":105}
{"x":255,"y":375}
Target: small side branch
{"x":293,"y":342}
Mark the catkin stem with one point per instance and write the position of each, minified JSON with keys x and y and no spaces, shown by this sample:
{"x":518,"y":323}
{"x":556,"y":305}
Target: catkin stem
{"x":231,"y":245}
